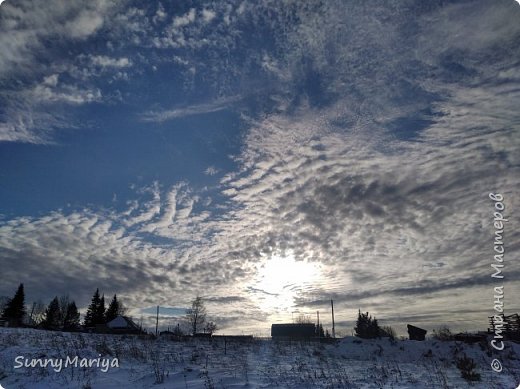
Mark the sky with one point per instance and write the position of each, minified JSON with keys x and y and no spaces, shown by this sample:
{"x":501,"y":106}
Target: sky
{"x":268,"y":156}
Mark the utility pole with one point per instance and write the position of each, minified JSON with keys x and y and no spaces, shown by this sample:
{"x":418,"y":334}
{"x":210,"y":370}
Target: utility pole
{"x":157,"y":322}
{"x":318,"y":328}
{"x":333,"y":327}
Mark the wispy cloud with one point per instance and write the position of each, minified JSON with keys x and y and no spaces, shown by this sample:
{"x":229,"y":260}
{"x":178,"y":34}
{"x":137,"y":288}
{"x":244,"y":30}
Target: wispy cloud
{"x":104,"y":61}
{"x":31,"y":32}
{"x":197,"y":109}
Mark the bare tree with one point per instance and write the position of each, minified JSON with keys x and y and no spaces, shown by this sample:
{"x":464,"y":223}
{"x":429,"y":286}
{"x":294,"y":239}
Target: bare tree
{"x":210,"y":328}
{"x":196,"y":315}
{"x":303,"y":319}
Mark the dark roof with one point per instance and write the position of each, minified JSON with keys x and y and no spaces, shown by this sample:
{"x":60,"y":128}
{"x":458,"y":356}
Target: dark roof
{"x":293,"y":330}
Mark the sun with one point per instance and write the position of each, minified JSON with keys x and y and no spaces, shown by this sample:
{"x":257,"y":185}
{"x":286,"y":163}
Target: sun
{"x":280,"y":278}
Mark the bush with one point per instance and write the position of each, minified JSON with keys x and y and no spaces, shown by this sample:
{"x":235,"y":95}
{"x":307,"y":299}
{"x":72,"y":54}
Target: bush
{"x":443,"y":334}
{"x":388,"y":332}
{"x":467,"y":367}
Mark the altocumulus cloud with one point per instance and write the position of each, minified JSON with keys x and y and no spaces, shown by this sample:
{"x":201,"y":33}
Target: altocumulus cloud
{"x":381,"y":133}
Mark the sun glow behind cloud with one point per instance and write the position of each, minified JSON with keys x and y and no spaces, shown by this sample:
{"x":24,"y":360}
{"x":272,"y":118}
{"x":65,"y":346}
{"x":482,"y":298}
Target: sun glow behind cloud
{"x":280,"y":278}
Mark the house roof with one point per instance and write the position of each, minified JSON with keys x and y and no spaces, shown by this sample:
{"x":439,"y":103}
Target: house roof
{"x":122,"y":322}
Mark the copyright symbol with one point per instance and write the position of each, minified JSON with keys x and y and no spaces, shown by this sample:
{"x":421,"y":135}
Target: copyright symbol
{"x":496,"y":365}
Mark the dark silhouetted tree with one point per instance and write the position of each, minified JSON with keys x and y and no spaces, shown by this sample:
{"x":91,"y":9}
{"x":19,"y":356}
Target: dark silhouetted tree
{"x":96,"y":311}
{"x":64,"y":305}
{"x":178,"y":330}
{"x":210,"y":328}
{"x":303,"y":319}
{"x":53,"y":318}
{"x":366,"y":326}
{"x":196,"y":315}
{"x":113,"y":310}
{"x":100,"y":312}
{"x":71,"y":320}
{"x":14,"y":310}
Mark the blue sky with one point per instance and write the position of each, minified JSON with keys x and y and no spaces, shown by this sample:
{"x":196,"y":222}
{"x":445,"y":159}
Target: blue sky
{"x":266,"y":155}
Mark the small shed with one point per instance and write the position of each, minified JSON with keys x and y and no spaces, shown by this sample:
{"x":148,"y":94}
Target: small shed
{"x":416,"y":333}
{"x":123,"y":325}
{"x":293,"y":331}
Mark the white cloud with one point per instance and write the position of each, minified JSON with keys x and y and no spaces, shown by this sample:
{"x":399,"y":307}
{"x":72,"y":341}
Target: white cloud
{"x":160,"y":14}
{"x":84,"y":25}
{"x":199,"y":109}
{"x":28,"y":28}
{"x":69,"y":94}
{"x":181,"y":21}
{"x":211,"y":171}
{"x":395,"y":215}
{"x":104,"y":61}
{"x":28,"y":25}
{"x":51,"y":80}
{"x":208,"y":15}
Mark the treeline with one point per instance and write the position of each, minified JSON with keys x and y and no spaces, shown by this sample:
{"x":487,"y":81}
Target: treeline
{"x":60,"y":314}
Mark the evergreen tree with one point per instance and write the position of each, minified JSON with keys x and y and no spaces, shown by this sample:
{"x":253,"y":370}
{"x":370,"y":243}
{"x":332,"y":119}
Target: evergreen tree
{"x":92,"y":315}
{"x":100,"y":311}
{"x":71,"y":320}
{"x":14,"y":310}
{"x":113,"y":310}
{"x":64,"y":305}
{"x":366,"y":327}
{"x":53,"y":318}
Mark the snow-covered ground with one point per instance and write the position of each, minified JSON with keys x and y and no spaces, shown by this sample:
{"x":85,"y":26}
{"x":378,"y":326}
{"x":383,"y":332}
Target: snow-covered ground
{"x":201,"y":363}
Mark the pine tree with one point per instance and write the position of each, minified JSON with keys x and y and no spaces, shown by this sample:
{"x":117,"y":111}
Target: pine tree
{"x":91,"y":316}
{"x":113,"y":310}
{"x":71,"y":320}
{"x":100,"y":311}
{"x":64,"y":305}
{"x":366,"y":327}
{"x":52,"y":315}
{"x":14,"y":310}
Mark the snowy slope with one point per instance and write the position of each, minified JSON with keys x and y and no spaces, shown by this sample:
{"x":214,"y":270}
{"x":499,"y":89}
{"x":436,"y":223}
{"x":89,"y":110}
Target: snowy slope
{"x":200,"y":363}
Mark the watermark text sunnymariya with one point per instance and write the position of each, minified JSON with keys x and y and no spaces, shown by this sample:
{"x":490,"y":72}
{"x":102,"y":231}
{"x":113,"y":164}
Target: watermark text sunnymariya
{"x":498,"y":267}
{"x":58,"y":364}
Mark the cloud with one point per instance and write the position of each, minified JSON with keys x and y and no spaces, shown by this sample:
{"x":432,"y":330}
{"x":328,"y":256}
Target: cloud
{"x":32,"y":33}
{"x":208,"y":15}
{"x":184,"y":20}
{"x":104,"y":61}
{"x":211,"y":171}
{"x":198,"y":109}
{"x":27,"y":25}
{"x":84,"y":24}
{"x":69,"y":94}
{"x":371,"y":142}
